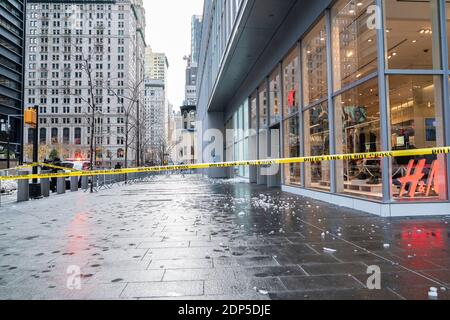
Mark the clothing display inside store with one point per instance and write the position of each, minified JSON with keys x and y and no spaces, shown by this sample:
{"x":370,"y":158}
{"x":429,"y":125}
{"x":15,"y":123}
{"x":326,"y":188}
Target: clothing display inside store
{"x":362,"y":133}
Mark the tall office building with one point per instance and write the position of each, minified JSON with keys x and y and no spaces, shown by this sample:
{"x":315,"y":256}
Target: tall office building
{"x":67,"y":43}
{"x":154,"y":108}
{"x":313,"y":78}
{"x":190,"y":97}
{"x":156,"y":105}
{"x":156,"y":65}
{"x":196,"y":37}
{"x":12,"y":35}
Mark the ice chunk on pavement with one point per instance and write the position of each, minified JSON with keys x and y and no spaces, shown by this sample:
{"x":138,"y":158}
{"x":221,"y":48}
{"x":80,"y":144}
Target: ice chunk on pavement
{"x":328,"y":250}
{"x":433,"y":293}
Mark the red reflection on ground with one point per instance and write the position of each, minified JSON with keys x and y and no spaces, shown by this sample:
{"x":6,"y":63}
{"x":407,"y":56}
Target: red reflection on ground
{"x":77,"y":233}
{"x":421,"y":243}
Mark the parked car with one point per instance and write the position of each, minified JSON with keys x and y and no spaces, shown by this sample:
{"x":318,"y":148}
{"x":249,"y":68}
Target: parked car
{"x":75,"y":165}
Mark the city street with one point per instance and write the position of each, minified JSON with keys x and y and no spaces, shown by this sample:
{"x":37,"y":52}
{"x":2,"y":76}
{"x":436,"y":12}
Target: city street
{"x":193,"y":238}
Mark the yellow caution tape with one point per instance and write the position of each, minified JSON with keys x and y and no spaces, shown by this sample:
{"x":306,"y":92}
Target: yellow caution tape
{"x":41,"y":164}
{"x":48,"y":165}
{"x":269,"y":162}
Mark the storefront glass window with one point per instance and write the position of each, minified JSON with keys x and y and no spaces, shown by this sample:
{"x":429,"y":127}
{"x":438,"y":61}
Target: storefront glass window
{"x":291,"y":83}
{"x":317,"y":143}
{"x":416,"y":123}
{"x":262,"y":106}
{"x":412,"y":34}
{"x":253,"y":113}
{"x":353,"y":41}
{"x":357,"y":115}
{"x":253,"y":128}
{"x":292,"y":150}
{"x":274,"y":97}
{"x":314,"y":52}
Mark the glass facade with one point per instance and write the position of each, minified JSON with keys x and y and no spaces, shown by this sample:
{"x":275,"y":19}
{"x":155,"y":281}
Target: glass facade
{"x":292,"y":150}
{"x":381,"y":86}
{"x":357,"y":125}
{"x":412,"y":34}
{"x":353,"y":42}
{"x":416,"y":123}
{"x":314,"y":53}
{"x":274,"y":97}
{"x":291,"y":83}
{"x":317,"y":143}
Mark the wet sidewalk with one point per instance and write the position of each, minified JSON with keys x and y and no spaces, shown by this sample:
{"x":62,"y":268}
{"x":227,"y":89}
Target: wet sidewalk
{"x":191,"y":238}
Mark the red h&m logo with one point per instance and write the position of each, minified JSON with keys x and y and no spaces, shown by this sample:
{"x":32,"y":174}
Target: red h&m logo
{"x":414,"y":179}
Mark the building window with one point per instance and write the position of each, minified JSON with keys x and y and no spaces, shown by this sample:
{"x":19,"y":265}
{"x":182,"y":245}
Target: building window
{"x":353,"y":42}
{"x":66,"y":136}
{"x":317,"y":143}
{"x":314,"y":53}
{"x":291,"y":150}
{"x":357,"y":115}
{"x":291,"y":83}
{"x":417,"y":123}
{"x":274,"y":97}
{"x":54,"y":135}
{"x":30,"y":136}
{"x":77,"y":136}
{"x":412,"y":34}
{"x":43,"y":136}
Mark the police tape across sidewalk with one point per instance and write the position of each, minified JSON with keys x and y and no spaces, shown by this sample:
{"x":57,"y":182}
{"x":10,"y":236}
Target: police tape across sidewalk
{"x":269,"y":162}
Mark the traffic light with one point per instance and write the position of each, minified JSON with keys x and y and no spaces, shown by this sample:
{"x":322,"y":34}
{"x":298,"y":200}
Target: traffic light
{"x":30,"y":117}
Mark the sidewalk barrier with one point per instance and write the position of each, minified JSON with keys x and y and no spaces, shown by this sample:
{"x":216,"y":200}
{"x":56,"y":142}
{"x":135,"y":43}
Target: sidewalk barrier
{"x":23,"y":187}
{"x":131,"y":172}
{"x":84,"y":183}
{"x":45,"y":184}
{"x":74,"y":184}
{"x":61,"y":184}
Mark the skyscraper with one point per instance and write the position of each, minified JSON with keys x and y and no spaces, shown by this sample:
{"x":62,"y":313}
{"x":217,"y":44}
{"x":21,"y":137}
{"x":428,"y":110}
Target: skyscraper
{"x":12,"y":14}
{"x":196,"y":37}
{"x":156,"y":105}
{"x":86,"y":72}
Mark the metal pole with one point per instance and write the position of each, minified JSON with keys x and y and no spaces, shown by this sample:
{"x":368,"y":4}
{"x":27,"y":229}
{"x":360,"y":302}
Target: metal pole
{"x":8,"y":145}
{"x":36,"y":143}
{"x":138,"y":147}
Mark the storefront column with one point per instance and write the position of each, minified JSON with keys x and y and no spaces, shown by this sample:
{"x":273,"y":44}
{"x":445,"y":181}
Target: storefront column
{"x":331,"y":113}
{"x":277,"y":179}
{"x":252,"y":140}
{"x":446,"y":84}
{"x":384,"y":114}
{"x":262,"y":178}
{"x":300,"y":117}
{"x":214,"y":136}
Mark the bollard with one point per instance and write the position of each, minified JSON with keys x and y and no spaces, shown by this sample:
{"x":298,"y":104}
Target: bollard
{"x":45,"y":184}
{"x":84,"y":183}
{"x":23,"y":189}
{"x":73,"y":184}
{"x":61,"y":184}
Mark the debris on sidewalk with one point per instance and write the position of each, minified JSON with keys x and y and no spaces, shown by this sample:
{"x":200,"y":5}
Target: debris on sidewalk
{"x":328,"y":250}
{"x":433,"y":293}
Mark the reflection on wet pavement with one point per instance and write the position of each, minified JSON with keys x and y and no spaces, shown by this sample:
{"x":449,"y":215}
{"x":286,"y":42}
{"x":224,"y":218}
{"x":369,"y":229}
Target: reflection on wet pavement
{"x":192,"y":238}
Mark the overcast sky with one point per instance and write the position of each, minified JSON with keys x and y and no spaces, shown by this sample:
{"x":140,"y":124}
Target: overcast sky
{"x":169,"y":31}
